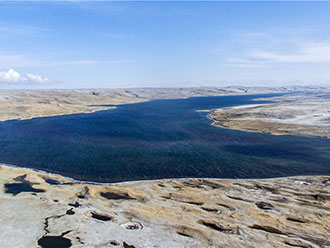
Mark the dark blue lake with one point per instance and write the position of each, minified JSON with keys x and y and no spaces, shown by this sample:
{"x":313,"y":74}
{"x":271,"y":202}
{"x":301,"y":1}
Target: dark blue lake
{"x":158,"y":139}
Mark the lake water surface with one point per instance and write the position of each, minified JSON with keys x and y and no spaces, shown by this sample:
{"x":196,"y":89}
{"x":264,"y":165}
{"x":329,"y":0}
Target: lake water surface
{"x":157,"y":139}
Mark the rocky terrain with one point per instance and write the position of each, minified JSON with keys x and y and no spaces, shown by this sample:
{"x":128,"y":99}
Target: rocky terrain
{"x":44,"y":210}
{"x":26,"y":104}
{"x":306,"y":113}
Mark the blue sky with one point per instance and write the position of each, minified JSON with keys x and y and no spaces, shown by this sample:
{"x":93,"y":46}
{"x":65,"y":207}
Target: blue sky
{"x":163,"y":44}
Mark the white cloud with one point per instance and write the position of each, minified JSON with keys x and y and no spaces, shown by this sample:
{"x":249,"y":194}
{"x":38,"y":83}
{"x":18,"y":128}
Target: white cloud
{"x":304,"y":53}
{"x":87,"y":62}
{"x":19,"y":61}
{"x":277,"y":47}
{"x":12,"y":76}
{"x":36,"y":78}
{"x":21,"y":30}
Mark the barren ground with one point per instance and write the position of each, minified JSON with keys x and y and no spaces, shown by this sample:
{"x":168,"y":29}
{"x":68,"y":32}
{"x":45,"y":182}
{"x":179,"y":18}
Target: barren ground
{"x":282,"y":212}
{"x":39,"y":208}
{"x":297,"y":114}
{"x":26,"y":104}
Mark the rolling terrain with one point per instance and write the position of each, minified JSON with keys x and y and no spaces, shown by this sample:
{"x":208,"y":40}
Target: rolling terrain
{"x":280,"y":212}
{"x":306,"y":113}
{"x":41,"y":209}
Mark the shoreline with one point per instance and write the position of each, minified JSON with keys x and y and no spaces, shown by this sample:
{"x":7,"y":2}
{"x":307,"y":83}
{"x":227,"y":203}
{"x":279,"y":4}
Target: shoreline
{"x":279,"y":212}
{"x":92,"y":108}
{"x":216,"y":123}
{"x":298,"y":114}
{"x":155,"y":180}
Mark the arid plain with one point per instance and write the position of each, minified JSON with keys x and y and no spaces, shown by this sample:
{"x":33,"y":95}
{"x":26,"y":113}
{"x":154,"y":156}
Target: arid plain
{"x":39,"y":208}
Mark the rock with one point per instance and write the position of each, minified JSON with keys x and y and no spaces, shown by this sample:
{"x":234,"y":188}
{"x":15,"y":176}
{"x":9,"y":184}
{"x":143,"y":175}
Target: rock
{"x":136,"y":214}
{"x":131,"y":226}
{"x":264,"y":205}
{"x":326,"y":182}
